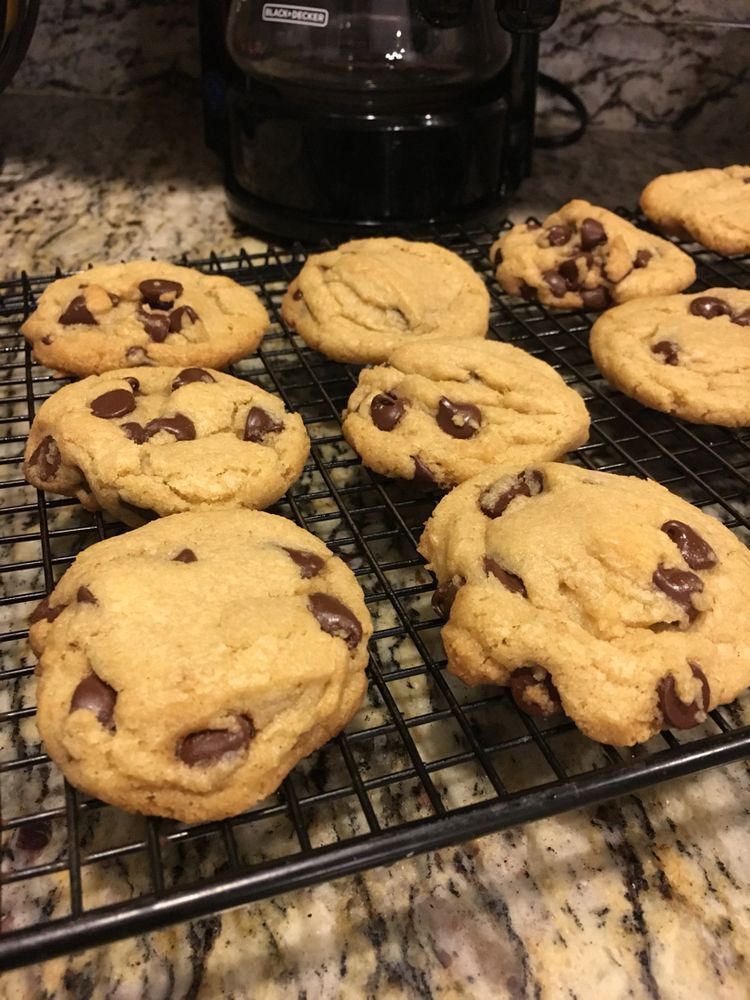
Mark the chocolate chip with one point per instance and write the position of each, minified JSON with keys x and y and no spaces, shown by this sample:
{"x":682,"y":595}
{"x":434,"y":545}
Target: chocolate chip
{"x":78,"y":312}
{"x":47,"y":340}
{"x":186,"y":556}
{"x":181,"y":317}
{"x":46,"y":458}
{"x":34,"y":837}
{"x":459,"y":420}
{"x":386,"y":411}
{"x":696,"y":552}
{"x":94,"y":695}
{"x":523,"y":681}
{"x":179,"y":425}
{"x":260,"y":423}
{"x":596,"y":298}
{"x":46,"y":611}
{"x":679,"y":586}
{"x":112,"y":404}
{"x":445,"y":595}
{"x":528,"y":483}
{"x":533,"y":224}
{"x":335,"y":618}
{"x":569,"y":271}
{"x":297,"y":294}
{"x":527,"y":292}
{"x":135,"y":432}
{"x":558,"y":236}
{"x":709,"y":307}
{"x":114,"y":299}
{"x":642,"y":258}
{"x":134,"y":384}
{"x":422,"y":474}
{"x":207,"y":746}
{"x":742,"y":319}
{"x":160,"y":293}
{"x":678,"y":715}
{"x":668,"y":351}
{"x":511,"y":582}
{"x":556,"y":283}
{"x":309,"y":563}
{"x":188,"y":375}
{"x":592,"y":234}
{"x":137,"y":356}
{"x":497,"y":258}
{"x":84,"y":596}
{"x":156,"y":325}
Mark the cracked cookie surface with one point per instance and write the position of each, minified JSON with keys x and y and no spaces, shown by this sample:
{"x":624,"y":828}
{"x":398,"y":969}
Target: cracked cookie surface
{"x":185,"y":667}
{"x":605,"y":594}
{"x":444,"y":410}
{"x":584,"y":257}
{"x":165,"y":440}
{"x":143,"y":313}
{"x":688,"y":355}
{"x":710,"y":206}
{"x":359,"y":302}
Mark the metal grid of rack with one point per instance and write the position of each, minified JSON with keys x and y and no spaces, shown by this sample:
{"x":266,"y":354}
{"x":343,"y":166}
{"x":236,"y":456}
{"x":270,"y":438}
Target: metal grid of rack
{"x":426,"y":762}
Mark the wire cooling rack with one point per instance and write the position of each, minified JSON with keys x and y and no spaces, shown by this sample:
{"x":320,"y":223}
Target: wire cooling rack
{"x":426,"y":762}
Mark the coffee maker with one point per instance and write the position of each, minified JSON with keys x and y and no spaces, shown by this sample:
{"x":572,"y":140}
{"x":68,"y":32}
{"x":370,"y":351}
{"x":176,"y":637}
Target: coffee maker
{"x":342,"y":117}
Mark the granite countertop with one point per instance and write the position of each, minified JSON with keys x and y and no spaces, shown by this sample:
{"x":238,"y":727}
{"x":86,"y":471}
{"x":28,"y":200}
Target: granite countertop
{"x":645,"y":897}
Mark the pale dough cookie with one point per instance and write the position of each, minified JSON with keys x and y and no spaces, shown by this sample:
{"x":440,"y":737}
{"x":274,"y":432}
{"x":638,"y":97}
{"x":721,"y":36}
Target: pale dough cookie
{"x":444,"y":410}
{"x":359,"y":302}
{"x":683,"y":354}
{"x":185,"y":667}
{"x":709,"y":206}
{"x":584,"y":257}
{"x":605,"y":594}
{"x":165,"y":441}
{"x":143,"y":313}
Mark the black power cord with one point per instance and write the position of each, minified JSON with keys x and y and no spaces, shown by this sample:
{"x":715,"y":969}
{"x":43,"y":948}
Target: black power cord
{"x":562,"y":90}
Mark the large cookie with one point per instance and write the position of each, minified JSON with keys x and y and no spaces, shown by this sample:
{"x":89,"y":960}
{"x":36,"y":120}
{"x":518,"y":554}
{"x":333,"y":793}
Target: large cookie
{"x":359,"y":302}
{"x":605,"y":594}
{"x":684,"y":354}
{"x":185,"y":667}
{"x":710,"y":206}
{"x":143,"y":313}
{"x":444,"y":410}
{"x":165,"y":441}
{"x":584,"y":257}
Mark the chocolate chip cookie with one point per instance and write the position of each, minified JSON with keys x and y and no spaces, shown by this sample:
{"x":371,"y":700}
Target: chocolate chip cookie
{"x":584,"y":257}
{"x":683,"y":354}
{"x":143,"y":313}
{"x":185,"y":667}
{"x":442,"y":411}
{"x":709,"y":206}
{"x":359,"y":302}
{"x":165,"y":441}
{"x":606,"y":596}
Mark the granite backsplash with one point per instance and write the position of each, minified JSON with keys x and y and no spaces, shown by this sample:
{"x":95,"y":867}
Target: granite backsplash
{"x":654,"y":65}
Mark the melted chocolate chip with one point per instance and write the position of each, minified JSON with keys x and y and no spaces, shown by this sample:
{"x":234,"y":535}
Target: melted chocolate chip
{"x":46,"y":458}
{"x":596,"y":298}
{"x":94,"y":695}
{"x":47,"y":340}
{"x":527,"y":292}
{"x":297,"y":294}
{"x":696,"y":552}
{"x":186,"y":556}
{"x":667,"y":349}
{"x":445,"y":595}
{"x":208,"y":746}
{"x":386,"y":411}
{"x":160,"y":293}
{"x":112,"y":404}
{"x":309,"y":563}
{"x":188,"y":375}
{"x":679,"y":586}
{"x":34,"y":837}
{"x":134,"y":431}
{"x":335,"y":618}
{"x":569,"y":271}
{"x":511,"y":582}
{"x":592,"y":234}
{"x":78,"y":312}
{"x":422,"y":474}
{"x":708,"y":306}
{"x":678,"y":715}
{"x":526,"y":484}
{"x":181,"y":317}
{"x":742,"y":319}
{"x":260,"y":423}
{"x":642,"y":258}
{"x":556,"y":283}
{"x":459,"y":420}
{"x":114,"y":299}
{"x":558,"y":236}
{"x":46,"y":611}
{"x":521,"y":683}
{"x":84,"y":596}
{"x":179,"y":425}
{"x":134,"y":384}
{"x":156,"y":325}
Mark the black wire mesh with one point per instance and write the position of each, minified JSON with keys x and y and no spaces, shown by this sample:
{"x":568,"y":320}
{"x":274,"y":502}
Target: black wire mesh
{"x":426,"y":762}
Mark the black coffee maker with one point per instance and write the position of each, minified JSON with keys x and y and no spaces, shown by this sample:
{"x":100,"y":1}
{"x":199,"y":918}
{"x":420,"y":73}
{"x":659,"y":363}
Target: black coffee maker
{"x":359,"y":116}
